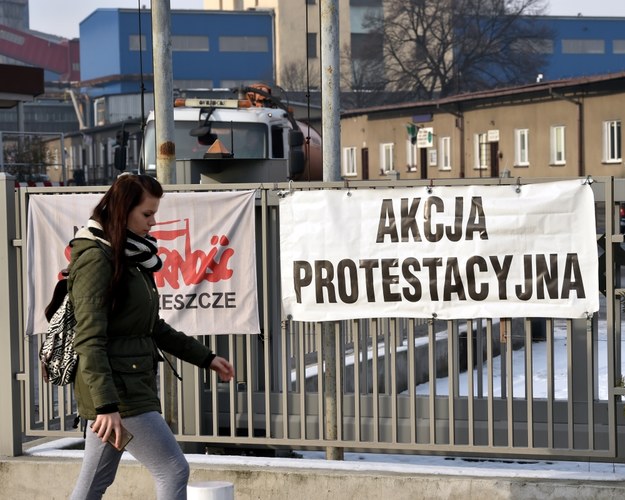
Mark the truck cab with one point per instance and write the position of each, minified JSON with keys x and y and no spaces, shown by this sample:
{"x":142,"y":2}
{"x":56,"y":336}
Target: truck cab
{"x":249,"y":139}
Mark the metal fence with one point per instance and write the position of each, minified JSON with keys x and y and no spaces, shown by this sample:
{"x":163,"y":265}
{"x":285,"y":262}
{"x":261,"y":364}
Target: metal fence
{"x":279,"y":399}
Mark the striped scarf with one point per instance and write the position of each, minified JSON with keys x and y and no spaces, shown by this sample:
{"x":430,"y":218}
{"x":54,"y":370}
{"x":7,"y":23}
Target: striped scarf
{"x":139,"y":250}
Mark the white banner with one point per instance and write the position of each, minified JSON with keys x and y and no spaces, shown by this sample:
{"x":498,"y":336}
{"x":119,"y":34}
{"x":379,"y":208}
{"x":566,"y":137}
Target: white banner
{"x":452,"y":253}
{"x":207,"y":243}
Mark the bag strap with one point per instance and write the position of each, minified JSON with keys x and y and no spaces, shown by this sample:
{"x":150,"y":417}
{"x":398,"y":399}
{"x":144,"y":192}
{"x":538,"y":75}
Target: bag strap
{"x":60,"y":291}
{"x":162,"y":354}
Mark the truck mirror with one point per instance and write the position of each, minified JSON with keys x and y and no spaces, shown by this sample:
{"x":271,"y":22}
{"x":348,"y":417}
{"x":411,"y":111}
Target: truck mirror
{"x":297,"y":158}
{"x":207,"y":139}
{"x":200,"y":131}
{"x":296,"y":138}
{"x":297,"y":162}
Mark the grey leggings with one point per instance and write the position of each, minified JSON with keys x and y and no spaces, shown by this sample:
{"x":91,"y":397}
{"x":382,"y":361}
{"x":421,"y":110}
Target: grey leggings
{"x":153,"y":445}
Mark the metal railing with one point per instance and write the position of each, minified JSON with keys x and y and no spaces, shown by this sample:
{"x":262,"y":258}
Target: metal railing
{"x":390,"y":397}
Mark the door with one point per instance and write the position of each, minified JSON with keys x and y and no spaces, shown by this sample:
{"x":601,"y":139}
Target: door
{"x":423,"y":161}
{"x":494,"y":159}
{"x":364,"y":158}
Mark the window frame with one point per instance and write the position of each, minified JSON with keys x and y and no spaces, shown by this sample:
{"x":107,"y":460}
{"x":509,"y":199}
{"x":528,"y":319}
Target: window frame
{"x":481,"y":145}
{"x":618,"y":46}
{"x":521,"y":147}
{"x":350,"y":161}
{"x":243,"y":43}
{"x":444,"y":161}
{"x":387,"y":155}
{"x":190,"y":43}
{"x":612,"y":142}
{"x":557,"y":145}
{"x":412,"y":156}
{"x":582,"y":46}
{"x":134,"y":41}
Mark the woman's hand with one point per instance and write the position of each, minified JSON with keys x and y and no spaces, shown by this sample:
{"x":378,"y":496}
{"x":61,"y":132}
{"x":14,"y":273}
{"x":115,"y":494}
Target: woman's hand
{"x":223,"y":368}
{"x":106,"y":424}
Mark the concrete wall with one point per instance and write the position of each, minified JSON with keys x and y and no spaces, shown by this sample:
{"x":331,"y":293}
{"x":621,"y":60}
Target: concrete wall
{"x":53,"y":479}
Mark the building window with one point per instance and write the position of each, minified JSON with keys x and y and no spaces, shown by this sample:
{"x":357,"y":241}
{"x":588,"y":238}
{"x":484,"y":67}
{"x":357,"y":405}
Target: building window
{"x":243,"y":44}
{"x":367,"y":46}
{"x":386,"y":157}
{"x":618,"y":46}
{"x":102,"y":150}
{"x":582,"y":46}
{"x":432,"y":157}
{"x":311,"y":2}
{"x":311,"y":46}
{"x":540,"y":45}
{"x":521,"y":147}
{"x":135,"y":43}
{"x":99,"y":105}
{"x":189,"y":43}
{"x":76,"y":151}
{"x":195,"y":84}
{"x":350,"y":167}
{"x":557,"y":145}
{"x":445,"y":153}
{"x":533,"y":46}
{"x":482,"y":151}
{"x":11,"y":37}
{"x":411,"y":156}
{"x":365,"y":3}
{"x":612,"y":141}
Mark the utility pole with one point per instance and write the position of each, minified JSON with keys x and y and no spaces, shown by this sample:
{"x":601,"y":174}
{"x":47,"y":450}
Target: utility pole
{"x":331,"y":128}
{"x":165,"y":143}
{"x":330,"y":90}
{"x":163,"y":92}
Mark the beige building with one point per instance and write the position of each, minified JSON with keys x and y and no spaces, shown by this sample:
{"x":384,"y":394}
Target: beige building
{"x":297,"y":35}
{"x":554,"y":129}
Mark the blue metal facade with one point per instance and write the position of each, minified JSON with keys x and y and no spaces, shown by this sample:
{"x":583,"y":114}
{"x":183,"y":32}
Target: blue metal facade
{"x":110,"y":66}
{"x":566,"y":64}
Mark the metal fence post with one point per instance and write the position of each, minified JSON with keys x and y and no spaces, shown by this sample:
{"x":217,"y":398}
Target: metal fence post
{"x":10,"y":431}
{"x":64,"y":174}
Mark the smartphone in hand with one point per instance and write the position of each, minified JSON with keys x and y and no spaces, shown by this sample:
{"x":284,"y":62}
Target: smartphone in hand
{"x":126,"y":438}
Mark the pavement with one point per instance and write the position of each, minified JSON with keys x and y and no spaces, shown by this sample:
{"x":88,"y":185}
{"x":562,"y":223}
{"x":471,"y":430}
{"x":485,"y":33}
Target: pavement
{"x":48,"y":471}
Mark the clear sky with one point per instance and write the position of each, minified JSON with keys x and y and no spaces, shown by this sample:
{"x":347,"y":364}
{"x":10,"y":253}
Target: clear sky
{"x":62,"y":17}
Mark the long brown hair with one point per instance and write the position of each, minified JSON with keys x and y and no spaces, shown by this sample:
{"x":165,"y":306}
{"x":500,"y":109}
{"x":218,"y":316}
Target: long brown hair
{"x":112,"y":212}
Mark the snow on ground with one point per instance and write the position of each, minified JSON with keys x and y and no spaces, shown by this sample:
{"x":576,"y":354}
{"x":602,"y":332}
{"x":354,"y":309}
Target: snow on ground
{"x":402,"y":464}
{"x":539,"y":369}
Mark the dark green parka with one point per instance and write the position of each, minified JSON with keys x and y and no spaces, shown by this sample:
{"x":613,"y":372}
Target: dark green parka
{"x":117,"y":355}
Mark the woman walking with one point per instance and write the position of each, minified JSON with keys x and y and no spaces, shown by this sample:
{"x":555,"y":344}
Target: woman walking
{"x":118,"y":337}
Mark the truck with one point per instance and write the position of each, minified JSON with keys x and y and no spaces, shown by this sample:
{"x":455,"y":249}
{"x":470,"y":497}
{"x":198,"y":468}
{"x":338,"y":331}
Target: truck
{"x":249,"y":136}
{"x":252,"y":137}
